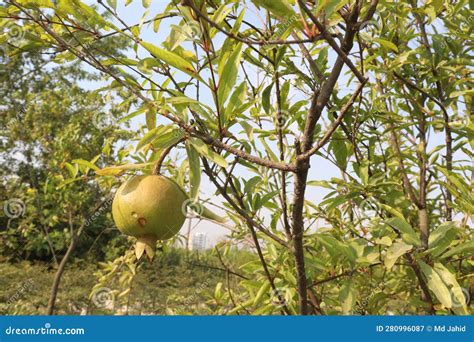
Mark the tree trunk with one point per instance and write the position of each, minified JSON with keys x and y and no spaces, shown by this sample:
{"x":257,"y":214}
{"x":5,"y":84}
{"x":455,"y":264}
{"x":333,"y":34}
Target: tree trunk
{"x":58,"y":276}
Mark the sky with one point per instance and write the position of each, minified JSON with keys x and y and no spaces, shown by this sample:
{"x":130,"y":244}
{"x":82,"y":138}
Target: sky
{"x":321,"y":168}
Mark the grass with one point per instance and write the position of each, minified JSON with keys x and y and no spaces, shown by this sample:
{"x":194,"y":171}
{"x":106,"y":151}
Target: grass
{"x":172,"y":284}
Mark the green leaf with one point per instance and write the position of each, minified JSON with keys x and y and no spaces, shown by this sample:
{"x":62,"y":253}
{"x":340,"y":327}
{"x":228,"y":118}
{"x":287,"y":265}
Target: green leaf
{"x":171,"y":58}
{"x":336,"y":247}
{"x":462,"y":248}
{"x":386,"y":44}
{"x":440,"y":246}
{"x":132,"y":115}
{"x":391,"y":210}
{"x":459,"y":93}
{"x":261,"y":292}
{"x":36,"y":4}
{"x":218,"y":291}
{"x":339,"y":149}
{"x":228,"y":76}
{"x":210,"y":215}
{"x":146,"y":3}
{"x":436,"y":284}
{"x":437,"y":235}
{"x":238,"y":22}
{"x":269,"y":150}
{"x":280,"y":8}
{"x":330,"y":6}
{"x":170,"y":137}
{"x":218,"y":17}
{"x":364,"y":172}
{"x":194,"y":170}
{"x":234,"y":106}
{"x":71,"y":169}
{"x":113,"y":4}
{"x":407,"y":232}
{"x":151,"y":135}
{"x":347,"y":297}
{"x":266,"y":98}
{"x":206,"y":152}
{"x":151,"y":118}
{"x":396,"y":250}
{"x":115,"y":170}
{"x":85,"y":163}
{"x":251,"y":184}
{"x":384,"y":240}
{"x":181,"y":100}
{"x":119,"y":61}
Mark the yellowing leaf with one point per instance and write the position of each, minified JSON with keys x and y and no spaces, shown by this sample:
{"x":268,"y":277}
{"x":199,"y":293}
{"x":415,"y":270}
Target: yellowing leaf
{"x":210,"y":215}
{"x":439,"y":233}
{"x":115,"y":170}
{"x":218,"y":291}
{"x":386,"y":44}
{"x":408,"y":233}
{"x":347,"y":296}
{"x":205,"y":151}
{"x":464,"y":247}
{"x":170,"y":58}
{"x":385,"y":240}
{"x":457,"y":294}
{"x":261,"y":292}
{"x":279,"y":8}
{"x":395,"y":251}
{"x":85,"y":163}
{"x":330,"y":6}
{"x":436,"y":285}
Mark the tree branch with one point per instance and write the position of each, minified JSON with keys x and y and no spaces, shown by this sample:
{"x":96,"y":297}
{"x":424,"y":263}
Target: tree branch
{"x":335,"y":124}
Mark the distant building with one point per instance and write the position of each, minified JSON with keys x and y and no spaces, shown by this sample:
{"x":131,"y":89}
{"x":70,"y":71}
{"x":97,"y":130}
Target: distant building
{"x":199,"y":241}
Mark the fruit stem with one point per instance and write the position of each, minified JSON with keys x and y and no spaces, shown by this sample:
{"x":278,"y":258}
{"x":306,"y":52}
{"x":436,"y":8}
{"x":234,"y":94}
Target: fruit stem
{"x":159,"y":162}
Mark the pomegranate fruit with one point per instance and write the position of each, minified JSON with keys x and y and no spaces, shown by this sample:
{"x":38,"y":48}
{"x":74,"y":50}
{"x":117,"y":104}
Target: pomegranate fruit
{"x":149,"y":208}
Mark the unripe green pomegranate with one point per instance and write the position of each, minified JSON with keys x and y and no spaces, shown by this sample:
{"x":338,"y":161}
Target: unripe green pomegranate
{"x":150,"y":209}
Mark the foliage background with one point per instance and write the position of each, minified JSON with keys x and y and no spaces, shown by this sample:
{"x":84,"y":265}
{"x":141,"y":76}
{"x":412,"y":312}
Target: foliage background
{"x":247,"y":102}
